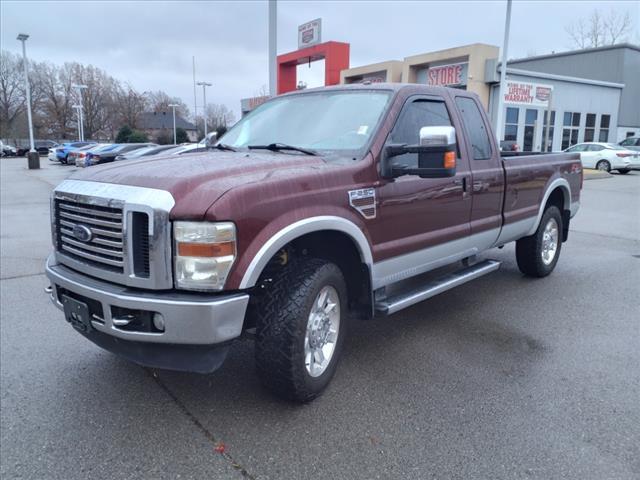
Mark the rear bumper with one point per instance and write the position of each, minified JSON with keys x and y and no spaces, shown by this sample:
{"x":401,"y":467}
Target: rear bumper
{"x":197,"y":327}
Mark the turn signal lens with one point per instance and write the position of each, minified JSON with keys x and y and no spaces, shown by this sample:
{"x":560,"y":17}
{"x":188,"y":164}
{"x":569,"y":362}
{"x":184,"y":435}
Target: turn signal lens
{"x":206,"y":249}
{"x":449,"y":160}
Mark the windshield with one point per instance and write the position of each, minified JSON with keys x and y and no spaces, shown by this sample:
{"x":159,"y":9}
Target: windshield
{"x":335,"y":121}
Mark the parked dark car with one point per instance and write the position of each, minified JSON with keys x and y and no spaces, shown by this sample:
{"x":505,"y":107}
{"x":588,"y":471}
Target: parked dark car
{"x":41,"y":146}
{"x":110,"y":156}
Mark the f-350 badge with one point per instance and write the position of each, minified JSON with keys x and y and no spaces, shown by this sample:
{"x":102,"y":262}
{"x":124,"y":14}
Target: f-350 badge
{"x":364,"y":201}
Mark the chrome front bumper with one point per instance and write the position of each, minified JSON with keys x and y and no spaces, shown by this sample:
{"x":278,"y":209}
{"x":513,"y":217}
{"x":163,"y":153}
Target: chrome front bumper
{"x":190,"y":319}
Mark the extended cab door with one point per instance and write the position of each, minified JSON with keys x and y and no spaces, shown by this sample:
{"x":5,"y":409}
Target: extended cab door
{"x":487,"y":173}
{"x":421,"y":220}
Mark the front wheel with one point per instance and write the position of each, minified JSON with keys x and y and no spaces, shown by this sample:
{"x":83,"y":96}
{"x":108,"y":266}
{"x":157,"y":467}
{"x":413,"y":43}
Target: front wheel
{"x":604,"y":166}
{"x":538,"y":254}
{"x":624,"y":171}
{"x":300,"y":329}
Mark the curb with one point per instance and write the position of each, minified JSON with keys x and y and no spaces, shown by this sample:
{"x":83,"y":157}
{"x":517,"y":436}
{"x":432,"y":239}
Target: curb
{"x":591,"y":174}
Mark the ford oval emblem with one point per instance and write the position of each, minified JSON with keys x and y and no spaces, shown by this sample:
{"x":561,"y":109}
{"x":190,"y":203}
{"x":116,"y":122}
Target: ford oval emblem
{"x":82,"y":233}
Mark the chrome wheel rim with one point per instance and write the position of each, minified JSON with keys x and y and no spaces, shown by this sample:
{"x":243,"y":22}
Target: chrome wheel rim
{"x":603,"y":166}
{"x":323,"y":327}
{"x":549,"y":241}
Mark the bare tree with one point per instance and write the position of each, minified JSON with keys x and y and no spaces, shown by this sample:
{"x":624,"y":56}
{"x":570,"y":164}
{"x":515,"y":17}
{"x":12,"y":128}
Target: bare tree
{"x":12,"y":99}
{"x":128,"y":104}
{"x":159,"y":102}
{"x":219,"y":117}
{"x":598,"y":30}
{"x":617,"y":26}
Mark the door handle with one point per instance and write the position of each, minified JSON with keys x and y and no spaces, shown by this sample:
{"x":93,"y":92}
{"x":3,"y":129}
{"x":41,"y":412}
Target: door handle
{"x":461,"y":181}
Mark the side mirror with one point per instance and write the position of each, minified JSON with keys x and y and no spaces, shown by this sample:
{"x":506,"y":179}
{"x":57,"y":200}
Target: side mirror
{"x":436,"y":155}
{"x":211,"y":139}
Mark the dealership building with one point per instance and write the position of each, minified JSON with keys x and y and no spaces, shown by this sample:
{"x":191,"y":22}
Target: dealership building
{"x":591,"y":94}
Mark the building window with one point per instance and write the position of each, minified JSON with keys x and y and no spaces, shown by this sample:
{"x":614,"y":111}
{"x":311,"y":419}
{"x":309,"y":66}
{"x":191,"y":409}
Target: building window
{"x":570,"y":129}
{"x":545,"y":147}
{"x":530,"y":118}
{"x":511,"y":124}
{"x":604,"y":128}
{"x":590,"y":128}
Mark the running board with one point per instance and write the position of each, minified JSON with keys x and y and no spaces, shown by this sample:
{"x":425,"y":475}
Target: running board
{"x":432,"y":288}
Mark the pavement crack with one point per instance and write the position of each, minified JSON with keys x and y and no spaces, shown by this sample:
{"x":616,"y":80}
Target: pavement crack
{"x":198,"y":424}
{"x":26,"y":275}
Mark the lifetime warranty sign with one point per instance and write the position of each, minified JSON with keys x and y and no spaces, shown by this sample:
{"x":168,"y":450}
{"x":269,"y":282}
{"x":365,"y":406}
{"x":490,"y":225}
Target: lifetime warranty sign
{"x":522,"y":93}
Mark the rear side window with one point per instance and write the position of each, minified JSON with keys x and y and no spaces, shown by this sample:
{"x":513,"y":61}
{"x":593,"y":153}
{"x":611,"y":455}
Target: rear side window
{"x":476,"y":129}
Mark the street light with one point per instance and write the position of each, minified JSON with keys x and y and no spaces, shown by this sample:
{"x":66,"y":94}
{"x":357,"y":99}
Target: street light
{"x":78,"y":109}
{"x":204,"y":104}
{"x":173,"y":106}
{"x":80,"y":117}
{"x":33,"y":157}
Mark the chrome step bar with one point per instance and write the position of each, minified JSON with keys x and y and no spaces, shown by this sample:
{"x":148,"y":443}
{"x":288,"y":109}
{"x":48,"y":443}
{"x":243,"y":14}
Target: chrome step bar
{"x":432,"y":288}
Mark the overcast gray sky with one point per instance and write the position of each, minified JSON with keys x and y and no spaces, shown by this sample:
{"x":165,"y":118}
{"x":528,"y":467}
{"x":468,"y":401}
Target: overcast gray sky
{"x":150,"y":44}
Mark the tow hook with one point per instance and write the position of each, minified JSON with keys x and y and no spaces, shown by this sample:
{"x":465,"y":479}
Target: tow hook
{"x":48,"y":289}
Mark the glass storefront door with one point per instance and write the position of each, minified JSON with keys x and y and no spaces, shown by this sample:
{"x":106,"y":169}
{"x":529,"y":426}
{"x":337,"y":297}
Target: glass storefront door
{"x":530,"y":120}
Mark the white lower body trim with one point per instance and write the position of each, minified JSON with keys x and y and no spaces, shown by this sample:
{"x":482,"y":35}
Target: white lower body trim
{"x":409,"y":265}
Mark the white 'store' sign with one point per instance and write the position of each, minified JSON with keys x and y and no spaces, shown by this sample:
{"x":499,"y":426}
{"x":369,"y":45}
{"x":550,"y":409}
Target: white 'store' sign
{"x":534,"y":94}
{"x":309,"y":33}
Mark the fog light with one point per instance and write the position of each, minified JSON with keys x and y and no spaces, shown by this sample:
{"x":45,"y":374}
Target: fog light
{"x":158,"y":322}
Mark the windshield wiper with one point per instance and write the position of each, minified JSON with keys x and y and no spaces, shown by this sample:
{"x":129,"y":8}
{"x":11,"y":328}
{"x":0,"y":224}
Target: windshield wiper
{"x":277,"y":147}
{"x":224,"y":146}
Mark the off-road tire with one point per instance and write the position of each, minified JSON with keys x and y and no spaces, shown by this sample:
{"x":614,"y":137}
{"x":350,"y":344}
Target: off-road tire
{"x":624,"y":171}
{"x":529,"y":249}
{"x":281,"y":321}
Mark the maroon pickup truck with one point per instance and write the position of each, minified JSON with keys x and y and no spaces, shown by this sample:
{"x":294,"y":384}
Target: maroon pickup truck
{"x":318,"y":208}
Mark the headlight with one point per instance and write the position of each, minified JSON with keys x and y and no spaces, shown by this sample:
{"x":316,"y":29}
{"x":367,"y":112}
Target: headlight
{"x":204,"y":254}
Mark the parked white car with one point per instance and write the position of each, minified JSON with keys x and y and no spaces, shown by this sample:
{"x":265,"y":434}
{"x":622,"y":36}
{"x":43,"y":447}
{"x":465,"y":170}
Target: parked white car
{"x":606,"y":156}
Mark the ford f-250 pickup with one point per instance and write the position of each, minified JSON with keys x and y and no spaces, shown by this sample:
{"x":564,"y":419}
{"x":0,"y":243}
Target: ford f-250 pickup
{"x":317,"y":208}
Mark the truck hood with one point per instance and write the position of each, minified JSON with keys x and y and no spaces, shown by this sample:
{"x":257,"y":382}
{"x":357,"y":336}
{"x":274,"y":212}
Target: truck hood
{"x":196,"y":181}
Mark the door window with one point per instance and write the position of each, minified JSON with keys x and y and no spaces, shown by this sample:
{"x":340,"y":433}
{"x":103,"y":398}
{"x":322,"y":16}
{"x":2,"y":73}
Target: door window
{"x":604,"y":128}
{"x":475,"y":127}
{"x":590,"y":127}
{"x":594,"y":148}
{"x":415,"y":115}
{"x":511,"y":124}
{"x":545,"y":147}
{"x":530,"y":118}
{"x":570,"y":129}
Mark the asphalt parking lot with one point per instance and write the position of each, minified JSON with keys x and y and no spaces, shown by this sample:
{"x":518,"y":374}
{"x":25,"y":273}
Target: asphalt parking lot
{"x":503,"y":378}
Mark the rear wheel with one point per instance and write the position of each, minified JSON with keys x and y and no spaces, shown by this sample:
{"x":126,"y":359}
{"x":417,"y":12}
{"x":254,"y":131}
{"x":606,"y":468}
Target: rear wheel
{"x":538,"y":254}
{"x":624,"y":171}
{"x":300,"y":329}
{"x":603,"y":165}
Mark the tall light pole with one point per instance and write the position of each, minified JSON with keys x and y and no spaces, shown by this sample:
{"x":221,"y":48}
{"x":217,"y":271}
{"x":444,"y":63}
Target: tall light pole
{"x":78,"y":109}
{"x":173,"y":106}
{"x":503,"y":74}
{"x":204,"y":103}
{"x":273,"y":46}
{"x":80,"y":88}
{"x":33,"y":157}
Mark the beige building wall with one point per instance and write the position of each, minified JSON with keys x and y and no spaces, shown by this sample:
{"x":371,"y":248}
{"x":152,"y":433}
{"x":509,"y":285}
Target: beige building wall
{"x":406,"y":71}
{"x":392,"y":68}
{"x":476,"y":54}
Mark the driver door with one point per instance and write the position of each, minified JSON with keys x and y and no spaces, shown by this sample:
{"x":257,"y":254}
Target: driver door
{"x":421,"y":219}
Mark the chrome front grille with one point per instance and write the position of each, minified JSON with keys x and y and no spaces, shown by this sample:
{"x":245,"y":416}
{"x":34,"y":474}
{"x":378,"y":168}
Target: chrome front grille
{"x":104,"y":248}
{"x":117,"y":233}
